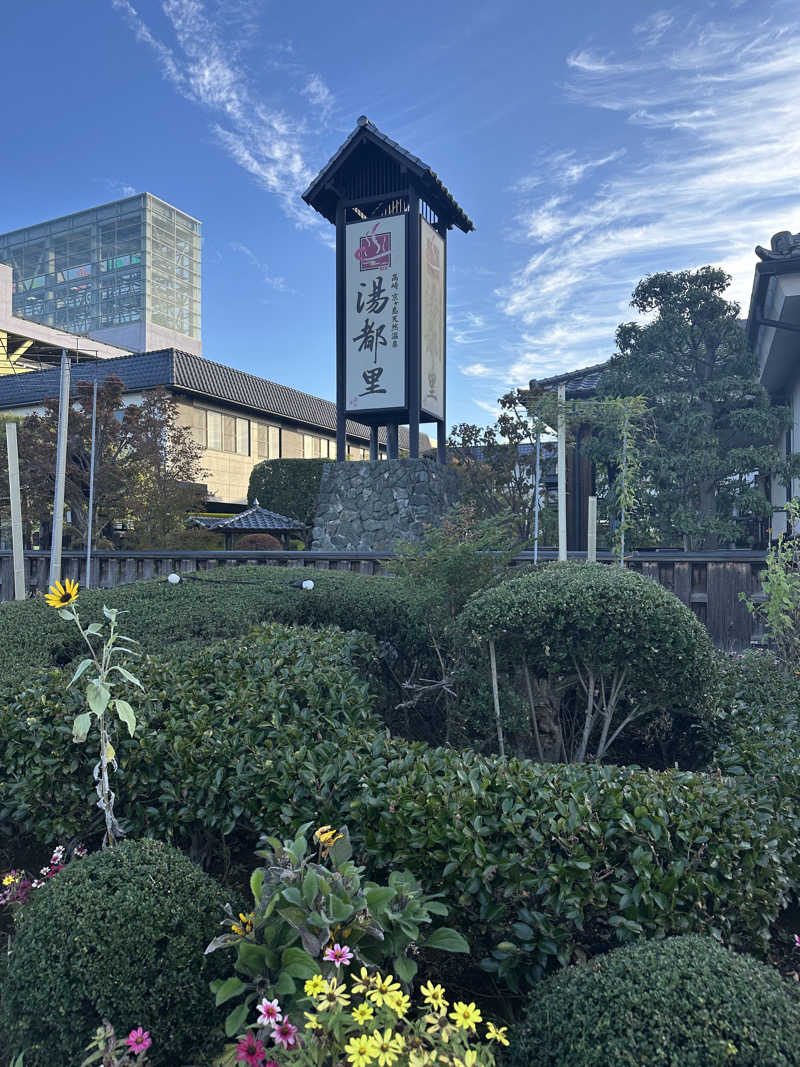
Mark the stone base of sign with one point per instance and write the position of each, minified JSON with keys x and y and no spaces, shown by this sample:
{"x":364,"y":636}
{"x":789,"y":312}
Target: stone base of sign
{"x":370,"y":506}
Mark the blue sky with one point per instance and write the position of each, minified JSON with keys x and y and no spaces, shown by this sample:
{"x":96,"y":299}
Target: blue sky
{"x":590,"y":143}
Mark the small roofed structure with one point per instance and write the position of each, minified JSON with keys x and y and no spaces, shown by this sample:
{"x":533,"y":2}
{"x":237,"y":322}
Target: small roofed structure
{"x":254,"y":520}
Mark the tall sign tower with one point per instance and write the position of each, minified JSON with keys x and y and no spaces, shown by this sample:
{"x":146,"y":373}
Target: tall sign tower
{"x":392,"y":214}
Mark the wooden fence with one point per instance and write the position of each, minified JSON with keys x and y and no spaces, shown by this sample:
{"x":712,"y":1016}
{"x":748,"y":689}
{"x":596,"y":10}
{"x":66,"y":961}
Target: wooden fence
{"x":708,"y":582}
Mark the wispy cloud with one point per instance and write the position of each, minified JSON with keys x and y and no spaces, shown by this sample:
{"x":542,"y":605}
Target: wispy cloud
{"x":267,"y":142}
{"x":717,"y":172}
{"x":319,"y":95}
{"x":274,"y":281}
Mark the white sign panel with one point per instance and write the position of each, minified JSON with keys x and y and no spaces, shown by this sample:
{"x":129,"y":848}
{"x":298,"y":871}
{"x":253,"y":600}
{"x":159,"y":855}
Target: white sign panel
{"x":432,"y":326}
{"x":376,"y":314}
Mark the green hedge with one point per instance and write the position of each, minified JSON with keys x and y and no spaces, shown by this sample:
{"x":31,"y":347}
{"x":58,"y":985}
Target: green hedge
{"x":683,"y":1002}
{"x":573,"y":621}
{"x":275,"y":730}
{"x":119,"y":935}
{"x":288,"y":486}
{"x":208,"y":607}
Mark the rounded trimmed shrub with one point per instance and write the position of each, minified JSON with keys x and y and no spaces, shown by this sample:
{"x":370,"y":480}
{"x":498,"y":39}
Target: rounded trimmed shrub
{"x":119,"y":935}
{"x":683,"y":1002}
{"x":602,"y":632}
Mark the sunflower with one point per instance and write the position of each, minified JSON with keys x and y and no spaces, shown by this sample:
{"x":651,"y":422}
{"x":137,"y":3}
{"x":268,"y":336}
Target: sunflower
{"x":60,"y":595}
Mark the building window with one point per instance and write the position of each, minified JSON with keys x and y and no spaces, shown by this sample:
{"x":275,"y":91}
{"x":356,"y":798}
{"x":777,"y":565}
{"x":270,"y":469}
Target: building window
{"x":267,"y":441}
{"x":332,"y":449}
{"x":228,"y":433}
{"x":243,"y":437}
{"x":308,"y":446}
{"x":214,"y":430}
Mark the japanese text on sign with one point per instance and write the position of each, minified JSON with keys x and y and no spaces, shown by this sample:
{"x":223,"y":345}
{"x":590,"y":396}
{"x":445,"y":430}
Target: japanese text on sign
{"x":375,"y":318}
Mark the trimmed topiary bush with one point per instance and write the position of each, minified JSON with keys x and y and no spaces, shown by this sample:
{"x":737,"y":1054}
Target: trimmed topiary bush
{"x":683,"y":1002}
{"x":119,"y":936}
{"x":288,"y":486}
{"x":606,"y":647}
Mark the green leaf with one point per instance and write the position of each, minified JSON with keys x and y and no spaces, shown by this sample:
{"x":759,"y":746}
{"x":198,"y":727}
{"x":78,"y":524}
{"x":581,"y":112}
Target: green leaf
{"x":310,"y":887}
{"x":231,"y":987}
{"x":80,"y":727}
{"x":94,"y":628}
{"x":235,"y":1020}
{"x":284,"y":985}
{"x":256,"y":881}
{"x":127,"y":675}
{"x":378,"y":897}
{"x":84,"y":665}
{"x":125,"y":712}
{"x":97,"y":696}
{"x":110,"y":613}
{"x":404,"y":968}
{"x":446,"y":940}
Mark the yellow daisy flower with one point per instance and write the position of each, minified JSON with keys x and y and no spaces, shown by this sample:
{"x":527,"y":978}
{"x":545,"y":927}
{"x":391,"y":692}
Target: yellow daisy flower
{"x":363,"y":1013}
{"x":364,"y":981}
{"x":315,"y":985}
{"x":312,"y":1023}
{"x":496,"y":1033}
{"x":360,"y":1050}
{"x":327,"y":836}
{"x":332,"y":996}
{"x":397,"y":1002}
{"x":381,"y":987}
{"x":246,"y":926}
{"x":433,"y":995}
{"x":438,"y":1026}
{"x":465,"y":1016}
{"x":387,"y":1047}
{"x":470,"y":1059}
{"x":59,"y":595}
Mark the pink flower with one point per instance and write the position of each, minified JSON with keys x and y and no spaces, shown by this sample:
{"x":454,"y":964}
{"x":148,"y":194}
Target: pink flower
{"x":269,"y":1012}
{"x":338,"y":954}
{"x":250,"y":1050}
{"x":285,"y":1034}
{"x":797,"y":940}
{"x":80,"y":851}
{"x":138,"y":1040}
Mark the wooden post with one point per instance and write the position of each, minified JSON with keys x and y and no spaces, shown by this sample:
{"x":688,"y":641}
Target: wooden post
{"x":562,"y":472}
{"x":413,"y":339}
{"x":374,"y":452}
{"x":391,"y":441}
{"x":341,"y":333}
{"x":61,"y":472}
{"x":591,"y":534}
{"x":16,"y":511}
{"x":537,"y":478}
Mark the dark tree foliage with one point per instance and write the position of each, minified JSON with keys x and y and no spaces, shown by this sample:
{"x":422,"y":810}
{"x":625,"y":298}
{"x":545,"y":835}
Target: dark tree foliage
{"x":146,"y":465}
{"x":714,"y":425}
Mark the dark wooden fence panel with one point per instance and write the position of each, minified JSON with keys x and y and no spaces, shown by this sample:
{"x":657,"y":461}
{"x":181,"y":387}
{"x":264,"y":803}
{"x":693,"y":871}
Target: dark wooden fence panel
{"x":708,"y":582}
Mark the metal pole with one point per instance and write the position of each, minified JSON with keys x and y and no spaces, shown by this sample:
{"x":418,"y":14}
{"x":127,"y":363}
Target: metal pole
{"x":622,"y":508}
{"x":16,"y":511}
{"x":536,"y":486}
{"x":591,"y":534}
{"x":61,"y":472}
{"x":562,"y":472}
{"x":91,"y":491}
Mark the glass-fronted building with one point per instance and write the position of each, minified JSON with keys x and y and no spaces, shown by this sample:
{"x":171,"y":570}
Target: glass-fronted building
{"x":127,"y":273}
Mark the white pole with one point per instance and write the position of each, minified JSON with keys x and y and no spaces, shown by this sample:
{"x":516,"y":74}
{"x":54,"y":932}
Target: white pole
{"x":624,"y":486}
{"x":562,"y":472}
{"x":16,"y":511}
{"x":61,"y":472}
{"x":591,"y":540}
{"x":91,"y":491}
{"x":536,"y":486}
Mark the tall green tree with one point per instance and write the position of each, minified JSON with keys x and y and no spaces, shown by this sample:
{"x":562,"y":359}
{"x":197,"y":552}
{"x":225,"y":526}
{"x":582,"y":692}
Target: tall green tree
{"x":715,"y":427}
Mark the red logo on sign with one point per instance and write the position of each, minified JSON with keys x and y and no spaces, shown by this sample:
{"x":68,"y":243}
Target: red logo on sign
{"x":374,"y":251}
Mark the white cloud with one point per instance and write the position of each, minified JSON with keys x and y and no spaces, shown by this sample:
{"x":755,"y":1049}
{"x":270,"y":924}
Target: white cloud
{"x":480,"y":370}
{"x":265,"y":141}
{"x":274,"y":281}
{"x":319,"y":95}
{"x":718,"y":172}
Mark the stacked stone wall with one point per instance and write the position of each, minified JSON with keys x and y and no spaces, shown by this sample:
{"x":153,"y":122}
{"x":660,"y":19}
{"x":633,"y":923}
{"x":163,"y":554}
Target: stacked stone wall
{"x":370,"y":506}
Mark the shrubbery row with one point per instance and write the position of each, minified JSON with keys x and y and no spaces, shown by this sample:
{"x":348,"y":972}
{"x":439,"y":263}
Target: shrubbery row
{"x":535,"y":861}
